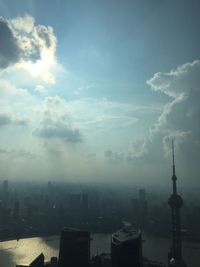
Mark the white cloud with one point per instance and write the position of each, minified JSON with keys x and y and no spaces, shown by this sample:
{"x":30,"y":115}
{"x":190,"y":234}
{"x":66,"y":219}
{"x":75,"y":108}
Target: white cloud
{"x":95,"y":114}
{"x":178,"y":82}
{"x":183,"y":85}
{"x":179,"y":119}
{"x":40,"y":88}
{"x":81,"y":89}
{"x":180,"y":116}
{"x":24,"y":24}
{"x":8,"y":88}
{"x":178,"y":136}
{"x":137,"y":148}
{"x":54,"y":122}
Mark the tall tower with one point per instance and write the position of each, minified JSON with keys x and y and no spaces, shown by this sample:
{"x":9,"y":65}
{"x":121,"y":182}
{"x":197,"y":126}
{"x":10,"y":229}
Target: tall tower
{"x":175,"y":202}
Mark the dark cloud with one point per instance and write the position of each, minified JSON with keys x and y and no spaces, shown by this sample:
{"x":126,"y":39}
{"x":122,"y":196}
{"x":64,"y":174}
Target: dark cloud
{"x":30,"y":49}
{"x":114,"y":157}
{"x":9,"y":49}
{"x":43,"y":33}
{"x":108,"y":153}
{"x":60,"y":131}
{"x":14,"y":153}
{"x":7,"y":119}
{"x":91,"y":156}
{"x":21,"y":41}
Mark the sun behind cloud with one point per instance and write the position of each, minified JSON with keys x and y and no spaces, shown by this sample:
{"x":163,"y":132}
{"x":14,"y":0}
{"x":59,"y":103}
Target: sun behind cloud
{"x":42,"y":67}
{"x":33,"y":47}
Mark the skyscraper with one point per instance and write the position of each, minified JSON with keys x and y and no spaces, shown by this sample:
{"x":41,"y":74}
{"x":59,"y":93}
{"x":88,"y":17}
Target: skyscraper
{"x":143,"y":208}
{"x":126,"y":248}
{"x":175,"y":202}
{"x":74,"y":248}
{"x":142,"y":195}
{"x":5,"y":192}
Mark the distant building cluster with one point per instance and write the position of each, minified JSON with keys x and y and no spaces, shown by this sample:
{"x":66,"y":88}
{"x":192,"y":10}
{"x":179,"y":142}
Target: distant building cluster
{"x":43,"y":209}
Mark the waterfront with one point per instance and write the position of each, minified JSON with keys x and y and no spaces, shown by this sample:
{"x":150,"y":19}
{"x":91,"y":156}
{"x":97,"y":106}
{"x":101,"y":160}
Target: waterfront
{"x":25,"y":250}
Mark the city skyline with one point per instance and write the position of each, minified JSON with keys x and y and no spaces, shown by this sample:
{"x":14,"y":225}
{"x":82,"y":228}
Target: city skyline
{"x":96,"y":91}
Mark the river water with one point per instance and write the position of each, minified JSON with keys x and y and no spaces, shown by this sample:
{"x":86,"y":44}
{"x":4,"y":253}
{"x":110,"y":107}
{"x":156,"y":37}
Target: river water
{"x":154,"y":248}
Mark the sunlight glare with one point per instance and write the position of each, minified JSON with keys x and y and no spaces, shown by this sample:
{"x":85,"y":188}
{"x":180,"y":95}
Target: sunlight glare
{"x":41,"y":68}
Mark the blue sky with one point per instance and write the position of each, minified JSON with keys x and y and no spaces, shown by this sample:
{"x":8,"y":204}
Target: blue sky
{"x":95,"y":90}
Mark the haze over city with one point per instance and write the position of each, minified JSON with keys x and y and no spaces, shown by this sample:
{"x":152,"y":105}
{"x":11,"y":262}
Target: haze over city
{"x":95,"y":91}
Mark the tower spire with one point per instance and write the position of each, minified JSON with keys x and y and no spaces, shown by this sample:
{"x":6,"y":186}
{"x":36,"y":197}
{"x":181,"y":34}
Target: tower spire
{"x":175,"y":202}
{"x":173,"y":161}
{"x":174,"y":178}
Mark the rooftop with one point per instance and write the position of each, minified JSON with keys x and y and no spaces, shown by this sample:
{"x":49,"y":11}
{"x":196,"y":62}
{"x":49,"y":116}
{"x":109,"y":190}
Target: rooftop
{"x":125,"y":234}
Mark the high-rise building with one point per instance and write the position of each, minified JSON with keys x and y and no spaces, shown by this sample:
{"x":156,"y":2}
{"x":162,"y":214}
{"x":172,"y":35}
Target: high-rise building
{"x":135,"y":211}
{"x":143,"y":208}
{"x":5,"y":192}
{"x":142,"y":195}
{"x":16,"y":209}
{"x":74,"y":248}
{"x":84,"y":207}
{"x":175,"y":202}
{"x":85,"y":202}
{"x":126,"y":248}
{"x":75,"y":201}
{"x":5,"y":186}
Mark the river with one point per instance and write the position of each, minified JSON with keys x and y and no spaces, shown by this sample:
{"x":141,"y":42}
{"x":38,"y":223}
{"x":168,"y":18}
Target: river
{"x":154,"y":248}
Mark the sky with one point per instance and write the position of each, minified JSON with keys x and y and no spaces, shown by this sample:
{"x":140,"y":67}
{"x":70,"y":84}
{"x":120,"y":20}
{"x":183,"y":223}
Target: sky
{"x":96,"y":90}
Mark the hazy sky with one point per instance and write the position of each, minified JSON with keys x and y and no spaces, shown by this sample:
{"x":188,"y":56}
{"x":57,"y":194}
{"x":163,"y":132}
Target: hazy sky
{"x":95,"y":90}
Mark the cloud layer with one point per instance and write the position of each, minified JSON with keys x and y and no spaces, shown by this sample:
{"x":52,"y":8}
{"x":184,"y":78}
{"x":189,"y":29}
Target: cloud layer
{"x":80,"y":131}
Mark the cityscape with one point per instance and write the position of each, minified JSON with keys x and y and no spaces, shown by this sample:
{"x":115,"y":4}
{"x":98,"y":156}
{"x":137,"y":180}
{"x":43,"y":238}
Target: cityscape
{"x":99,"y":133}
{"x":44,"y":209}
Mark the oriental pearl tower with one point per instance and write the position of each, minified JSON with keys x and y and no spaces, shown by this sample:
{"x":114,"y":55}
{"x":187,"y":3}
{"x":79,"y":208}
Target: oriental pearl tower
{"x":175,"y":202}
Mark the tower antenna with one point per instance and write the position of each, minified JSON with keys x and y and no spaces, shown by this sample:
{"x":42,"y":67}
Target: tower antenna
{"x":173,"y":161}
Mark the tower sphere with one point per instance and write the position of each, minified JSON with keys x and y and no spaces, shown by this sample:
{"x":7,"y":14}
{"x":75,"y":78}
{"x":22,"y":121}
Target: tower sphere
{"x":175,"y":201}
